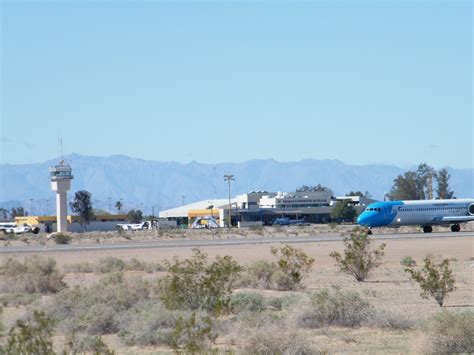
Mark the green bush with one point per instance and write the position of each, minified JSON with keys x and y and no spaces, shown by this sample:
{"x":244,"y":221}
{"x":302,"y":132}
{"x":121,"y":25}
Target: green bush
{"x":436,"y":281}
{"x":275,"y":340}
{"x":31,"y":337}
{"x":450,"y":333}
{"x":34,"y":275}
{"x":337,"y":308}
{"x":196,"y":284}
{"x":286,"y":274}
{"x":96,"y":310}
{"x":247,"y":301}
{"x":359,"y":259}
{"x":61,"y":238}
{"x":408,"y":261}
{"x":193,"y":334}
{"x":294,"y":263}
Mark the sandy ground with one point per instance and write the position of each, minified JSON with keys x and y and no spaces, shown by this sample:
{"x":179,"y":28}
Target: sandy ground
{"x":389,"y":288}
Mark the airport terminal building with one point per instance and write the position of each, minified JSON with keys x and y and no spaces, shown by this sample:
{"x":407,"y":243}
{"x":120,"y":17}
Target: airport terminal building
{"x":263,"y":207}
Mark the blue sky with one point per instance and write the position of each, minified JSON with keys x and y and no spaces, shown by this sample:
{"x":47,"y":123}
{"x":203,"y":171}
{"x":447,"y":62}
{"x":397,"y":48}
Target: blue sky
{"x":363,"y":82}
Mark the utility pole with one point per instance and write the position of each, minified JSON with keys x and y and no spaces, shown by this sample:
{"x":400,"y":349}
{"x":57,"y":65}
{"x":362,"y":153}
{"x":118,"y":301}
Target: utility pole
{"x":31,"y":206}
{"x":229,"y":178}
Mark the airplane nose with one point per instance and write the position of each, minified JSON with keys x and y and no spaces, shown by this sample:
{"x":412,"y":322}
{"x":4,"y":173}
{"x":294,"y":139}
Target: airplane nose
{"x":360,"y":219}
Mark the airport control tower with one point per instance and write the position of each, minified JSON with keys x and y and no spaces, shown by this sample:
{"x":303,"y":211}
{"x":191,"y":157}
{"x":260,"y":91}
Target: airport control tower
{"x":61,"y":176}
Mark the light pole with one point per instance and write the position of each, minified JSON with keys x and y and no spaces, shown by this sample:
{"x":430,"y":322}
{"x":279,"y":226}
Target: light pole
{"x":229,"y":178}
{"x":110,"y":210}
{"x":184,"y":199}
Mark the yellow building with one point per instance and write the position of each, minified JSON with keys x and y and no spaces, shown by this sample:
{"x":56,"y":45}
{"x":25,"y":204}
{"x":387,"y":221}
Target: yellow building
{"x":39,"y":220}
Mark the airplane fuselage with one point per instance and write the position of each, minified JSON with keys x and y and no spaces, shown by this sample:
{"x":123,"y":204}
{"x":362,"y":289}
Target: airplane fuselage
{"x":423,"y":213}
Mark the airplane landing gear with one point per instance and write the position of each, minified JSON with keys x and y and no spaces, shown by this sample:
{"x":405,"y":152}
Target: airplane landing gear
{"x":369,"y":231}
{"x":427,"y":229}
{"x":455,"y":228}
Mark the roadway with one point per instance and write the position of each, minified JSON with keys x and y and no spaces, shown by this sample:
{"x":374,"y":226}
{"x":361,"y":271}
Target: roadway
{"x":186,"y":243}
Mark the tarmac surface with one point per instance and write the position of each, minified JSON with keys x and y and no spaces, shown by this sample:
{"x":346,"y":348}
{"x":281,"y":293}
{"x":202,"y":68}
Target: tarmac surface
{"x":214,"y":242}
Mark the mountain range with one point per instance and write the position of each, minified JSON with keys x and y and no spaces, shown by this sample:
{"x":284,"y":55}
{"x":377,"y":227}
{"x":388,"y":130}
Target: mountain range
{"x":145,"y":184}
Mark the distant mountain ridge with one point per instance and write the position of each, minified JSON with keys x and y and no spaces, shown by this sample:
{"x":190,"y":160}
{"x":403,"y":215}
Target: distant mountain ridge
{"x":144,"y":183}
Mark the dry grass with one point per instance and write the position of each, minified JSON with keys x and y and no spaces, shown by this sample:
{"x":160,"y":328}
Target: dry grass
{"x":397,"y":309}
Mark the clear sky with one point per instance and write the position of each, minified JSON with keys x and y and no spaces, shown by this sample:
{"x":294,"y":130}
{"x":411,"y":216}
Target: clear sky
{"x":364,"y":82}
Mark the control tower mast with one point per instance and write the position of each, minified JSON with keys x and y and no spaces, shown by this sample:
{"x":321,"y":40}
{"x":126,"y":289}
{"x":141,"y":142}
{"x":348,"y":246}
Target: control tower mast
{"x":61,"y":176}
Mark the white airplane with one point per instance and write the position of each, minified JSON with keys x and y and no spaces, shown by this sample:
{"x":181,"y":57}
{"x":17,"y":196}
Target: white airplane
{"x":425,"y":213}
{"x":138,"y":226}
{"x":13,"y":228}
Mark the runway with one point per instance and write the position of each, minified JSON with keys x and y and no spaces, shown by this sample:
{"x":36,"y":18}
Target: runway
{"x":186,"y":243}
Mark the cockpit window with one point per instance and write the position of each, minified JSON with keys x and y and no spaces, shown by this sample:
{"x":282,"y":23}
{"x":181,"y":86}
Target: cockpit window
{"x":374,"y":209}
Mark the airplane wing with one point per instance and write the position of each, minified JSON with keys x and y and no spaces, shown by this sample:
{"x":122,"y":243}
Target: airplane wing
{"x":457,"y":218}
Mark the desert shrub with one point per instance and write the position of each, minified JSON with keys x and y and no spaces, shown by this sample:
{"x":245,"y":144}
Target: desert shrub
{"x":137,"y":265}
{"x":113,"y":264}
{"x":1,"y":328}
{"x":279,"y":303}
{"x":339,"y":308}
{"x":333,"y":225}
{"x":275,"y":340}
{"x":95,"y":310}
{"x":148,"y":322}
{"x":450,"y":332}
{"x":87,"y":344}
{"x":407,"y":261}
{"x":293,"y":263}
{"x":83,"y":267}
{"x":196,"y":284}
{"x":34,"y":275}
{"x":193,"y":333}
{"x":436,"y":281}
{"x":18,"y":299}
{"x":385,"y":319}
{"x":110,"y":264}
{"x":359,"y":259}
{"x":259,"y":274}
{"x":256,"y":229}
{"x":31,"y":337}
{"x":286,"y":274}
{"x":61,"y":238}
{"x":283,"y":282}
{"x":247,"y":301}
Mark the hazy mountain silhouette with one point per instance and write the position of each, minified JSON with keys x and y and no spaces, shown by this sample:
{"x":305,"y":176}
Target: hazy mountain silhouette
{"x":162,"y":184}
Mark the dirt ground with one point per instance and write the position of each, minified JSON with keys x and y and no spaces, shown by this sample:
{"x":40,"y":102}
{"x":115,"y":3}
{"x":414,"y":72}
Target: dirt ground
{"x":388,"y":289}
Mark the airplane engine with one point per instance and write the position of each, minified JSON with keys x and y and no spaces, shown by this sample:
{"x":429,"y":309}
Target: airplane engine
{"x":470,"y":209}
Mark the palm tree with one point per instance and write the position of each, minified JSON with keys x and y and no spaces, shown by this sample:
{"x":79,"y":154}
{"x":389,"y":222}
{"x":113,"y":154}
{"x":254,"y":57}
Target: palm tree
{"x":118,"y":206}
